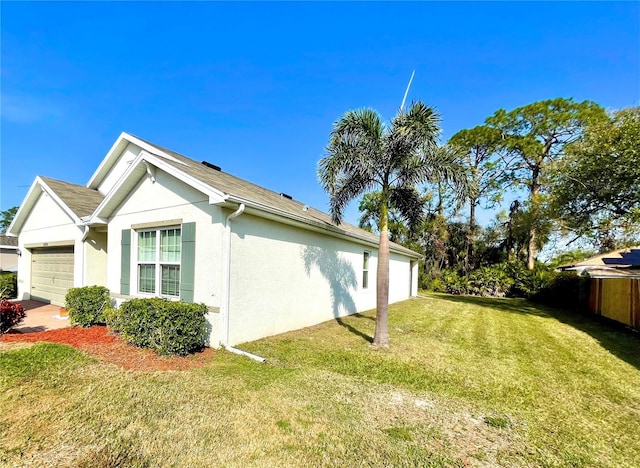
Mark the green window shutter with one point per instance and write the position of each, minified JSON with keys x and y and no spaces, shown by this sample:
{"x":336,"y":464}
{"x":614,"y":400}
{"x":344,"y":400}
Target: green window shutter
{"x":125,"y":261}
{"x":188,"y":261}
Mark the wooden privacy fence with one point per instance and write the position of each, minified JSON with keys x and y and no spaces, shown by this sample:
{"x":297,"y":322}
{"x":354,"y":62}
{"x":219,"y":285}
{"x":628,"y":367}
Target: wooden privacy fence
{"x":617,"y":299}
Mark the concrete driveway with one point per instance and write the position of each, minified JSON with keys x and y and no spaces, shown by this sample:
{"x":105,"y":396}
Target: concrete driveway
{"x":40,"y":317}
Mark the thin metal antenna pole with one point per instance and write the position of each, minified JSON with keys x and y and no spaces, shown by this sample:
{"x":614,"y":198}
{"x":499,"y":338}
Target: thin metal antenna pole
{"x":407,"y":91}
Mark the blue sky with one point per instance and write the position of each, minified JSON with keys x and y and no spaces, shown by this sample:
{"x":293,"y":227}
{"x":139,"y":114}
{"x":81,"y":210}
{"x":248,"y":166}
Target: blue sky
{"x":255,"y":87}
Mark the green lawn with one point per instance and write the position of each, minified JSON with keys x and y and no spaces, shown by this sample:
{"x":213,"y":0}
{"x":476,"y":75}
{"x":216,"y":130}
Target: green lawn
{"x":467,"y":382}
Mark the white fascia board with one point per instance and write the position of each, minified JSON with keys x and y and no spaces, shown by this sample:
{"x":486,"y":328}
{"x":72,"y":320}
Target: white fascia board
{"x":151,"y":149}
{"x":37,"y":187}
{"x":98,"y":212}
{"x":215,"y":196}
{"x":108,"y":161}
{"x":99,"y":216}
{"x":116,"y":150}
{"x":25,"y":208}
{"x":77,"y":221}
{"x":265,"y":211}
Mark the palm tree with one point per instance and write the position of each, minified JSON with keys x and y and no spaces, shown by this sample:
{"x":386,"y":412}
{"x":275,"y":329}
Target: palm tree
{"x":364,"y":154}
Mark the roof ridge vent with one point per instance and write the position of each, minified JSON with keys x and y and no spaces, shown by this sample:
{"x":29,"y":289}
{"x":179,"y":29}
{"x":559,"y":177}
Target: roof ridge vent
{"x":284,"y":195}
{"x":212,"y":166}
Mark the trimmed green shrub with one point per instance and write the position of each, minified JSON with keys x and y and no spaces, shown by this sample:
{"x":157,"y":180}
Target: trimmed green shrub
{"x":165,"y":326}
{"x":10,"y":315}
{"x":112,"y":319}
{"x":8,"y":285}
{"x":86,"y":305}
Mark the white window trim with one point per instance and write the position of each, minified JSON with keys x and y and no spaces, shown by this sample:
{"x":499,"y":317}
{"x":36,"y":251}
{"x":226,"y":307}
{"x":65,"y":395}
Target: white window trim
{"x":157,"y":263}
{"x":366,"y":254}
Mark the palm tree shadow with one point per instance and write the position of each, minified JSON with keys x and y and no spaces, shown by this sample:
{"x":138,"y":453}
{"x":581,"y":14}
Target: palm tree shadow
{"x":341,"y":278}
{"x":354,"y":330}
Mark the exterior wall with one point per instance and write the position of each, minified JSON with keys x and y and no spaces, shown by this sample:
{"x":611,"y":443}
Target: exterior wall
{"x":47,"y":224}
{"x":129,"y":154}
{"x":169,"y":199}
{"x":95,"y":267}
{"x":284,"y":278}
{"x":8,"y":259}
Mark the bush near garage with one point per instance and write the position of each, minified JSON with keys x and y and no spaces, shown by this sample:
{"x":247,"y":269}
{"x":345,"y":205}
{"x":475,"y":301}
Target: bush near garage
{"x":86,"y":305}
{"x":11,"y":314}
{"x":167,"y":327}
{"x":8,"y":285}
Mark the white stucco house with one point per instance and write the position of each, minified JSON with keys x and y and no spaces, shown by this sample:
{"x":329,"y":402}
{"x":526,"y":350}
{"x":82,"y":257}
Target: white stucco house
{"x":151,"y":222}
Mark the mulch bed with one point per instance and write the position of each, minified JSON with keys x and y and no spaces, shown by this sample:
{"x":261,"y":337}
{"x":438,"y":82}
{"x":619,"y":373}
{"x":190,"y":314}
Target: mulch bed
{"x":98,"y":342}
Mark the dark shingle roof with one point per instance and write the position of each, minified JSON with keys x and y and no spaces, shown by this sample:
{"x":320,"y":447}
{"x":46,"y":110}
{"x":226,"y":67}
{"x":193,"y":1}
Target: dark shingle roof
{"x":8,"y":240}
{"x":81,"y":200}
{"x":235,"y":186}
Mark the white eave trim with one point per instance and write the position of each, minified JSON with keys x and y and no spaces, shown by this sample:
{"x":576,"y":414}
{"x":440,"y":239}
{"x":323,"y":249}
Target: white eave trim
{"x":151,"y":155}
{"x":147,"y":159}
{"x":114,"y":153}
{"x":31,"y":199}
{"x":287,"y":217}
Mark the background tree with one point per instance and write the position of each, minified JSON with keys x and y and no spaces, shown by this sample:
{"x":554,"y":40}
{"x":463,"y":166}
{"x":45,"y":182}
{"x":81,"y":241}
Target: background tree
{"x":537,"y":134}
{"x":401,"y":229}
{"x":485,"y":174}
{"x":596,"y":187}
{"x":364,"y":154}
{"x":6,"y":217}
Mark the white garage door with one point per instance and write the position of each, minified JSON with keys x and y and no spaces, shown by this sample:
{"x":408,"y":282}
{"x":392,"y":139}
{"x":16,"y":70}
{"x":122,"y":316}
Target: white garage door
{"x":51,"y":274}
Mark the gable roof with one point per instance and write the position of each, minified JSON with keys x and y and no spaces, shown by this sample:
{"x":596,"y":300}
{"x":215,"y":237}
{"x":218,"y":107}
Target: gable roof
{"x":82,"y":201}
{"x":247,"y":192}
{"x":222,"y":189}
{"x":77,"y":201}
{"x":86,"y":205}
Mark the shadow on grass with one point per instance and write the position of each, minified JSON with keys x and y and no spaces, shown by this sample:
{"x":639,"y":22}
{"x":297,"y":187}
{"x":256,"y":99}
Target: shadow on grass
{"x":618,"y":339}
{"x":354,"y":330}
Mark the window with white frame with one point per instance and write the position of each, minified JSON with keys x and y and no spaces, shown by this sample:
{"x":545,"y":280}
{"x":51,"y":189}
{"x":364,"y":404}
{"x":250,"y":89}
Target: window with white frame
{"x":365,"y":269}
{"x":159,"y":261}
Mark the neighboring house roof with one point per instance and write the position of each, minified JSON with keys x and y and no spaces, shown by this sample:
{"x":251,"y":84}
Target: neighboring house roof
{"x":629,"y":257}
{"x":8,"y":242}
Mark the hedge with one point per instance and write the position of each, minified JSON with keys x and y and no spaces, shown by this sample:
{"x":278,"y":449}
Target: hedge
{"x":167,"y":327}
{"x":87,"y":305}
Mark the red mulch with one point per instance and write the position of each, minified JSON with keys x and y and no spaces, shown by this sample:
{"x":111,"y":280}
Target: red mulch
{"x":99,"y":343}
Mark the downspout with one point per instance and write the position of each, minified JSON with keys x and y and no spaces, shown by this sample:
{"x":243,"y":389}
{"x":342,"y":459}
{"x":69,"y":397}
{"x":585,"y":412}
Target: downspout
{"x":227,"y":287}
{"x":83,"y":239}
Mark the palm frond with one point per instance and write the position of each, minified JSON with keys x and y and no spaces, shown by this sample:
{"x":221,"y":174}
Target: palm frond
{"x":349,"y":167}
{"x":346,"y":190}
{"x":409,"y":204}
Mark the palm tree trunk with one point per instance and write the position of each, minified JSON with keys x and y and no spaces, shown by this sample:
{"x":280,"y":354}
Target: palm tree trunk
{"x":381,"y":336}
